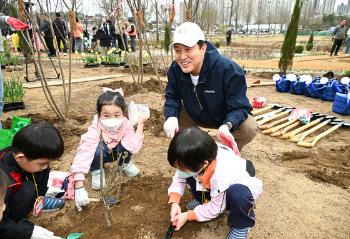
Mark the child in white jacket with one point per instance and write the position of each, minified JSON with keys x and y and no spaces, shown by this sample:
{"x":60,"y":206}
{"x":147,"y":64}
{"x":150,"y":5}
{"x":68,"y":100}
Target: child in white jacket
{"x":219,"y":179}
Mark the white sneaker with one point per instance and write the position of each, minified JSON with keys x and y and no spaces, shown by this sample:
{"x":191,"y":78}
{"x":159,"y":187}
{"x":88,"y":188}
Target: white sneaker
{"x":130,"y":169}
{"x":64,"y":54}
{"x":76,"y":52}
{"x":95,"y":179}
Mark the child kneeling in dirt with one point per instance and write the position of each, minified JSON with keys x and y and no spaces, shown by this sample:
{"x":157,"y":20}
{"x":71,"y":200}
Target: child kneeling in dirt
{"x":26,"y":164}
{"x":118,"y":138}
{"x":3,"y":187}
{"x":219,"y":179}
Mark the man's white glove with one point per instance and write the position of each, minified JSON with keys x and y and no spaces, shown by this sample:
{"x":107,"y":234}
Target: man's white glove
{"x":171,"y":126}
{"x":227,"y":138}
{"x":42,"y":233}
{"x":81,"y":198}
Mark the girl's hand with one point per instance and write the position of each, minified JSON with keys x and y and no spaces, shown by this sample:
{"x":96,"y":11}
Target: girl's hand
{"x":143,"y":117}
{"x":175,"y":210}
{"x":181,"y":220}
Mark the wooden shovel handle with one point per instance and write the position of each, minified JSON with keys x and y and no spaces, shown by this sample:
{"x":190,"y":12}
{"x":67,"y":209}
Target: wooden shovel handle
{"x":320,"y":136}
{"x":264,"y":121}
{"x":269,"y":113}
{"x":277,"y":122}
{"x":301,"y":137}
{"x":276,"y":134}
{"x":278,"y":127}
{"x":300,"y":129}
{"x":285,"y":130}
{"x":260,"y":111}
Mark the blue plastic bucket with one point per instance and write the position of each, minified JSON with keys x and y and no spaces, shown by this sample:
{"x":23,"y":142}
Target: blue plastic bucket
{"x":297,"y":87}
{"x":330,"y":89}
{"x":341,"y":104}
{"x":283,"y":85}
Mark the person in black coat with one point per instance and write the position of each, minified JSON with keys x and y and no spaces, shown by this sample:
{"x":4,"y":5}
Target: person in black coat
{"x":105,"y":32}
{"x":48,"y":37}
{"x":61,"y":32}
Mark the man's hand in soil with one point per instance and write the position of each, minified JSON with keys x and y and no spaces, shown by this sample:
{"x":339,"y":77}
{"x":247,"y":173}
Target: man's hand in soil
{"x":181,"y":219}
{"x":42,"y":233}
{"x":175,"y":210}
{"x":227,"y":138}
{"x":171,"y":126}
{"x":81,"y":198}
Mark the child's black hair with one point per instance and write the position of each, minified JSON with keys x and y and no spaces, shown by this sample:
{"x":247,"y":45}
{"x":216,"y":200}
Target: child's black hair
{"x":190,"y":147}
{"x":3,"y":185}
{"x":110,"y":98}
{"x":38,"y":140}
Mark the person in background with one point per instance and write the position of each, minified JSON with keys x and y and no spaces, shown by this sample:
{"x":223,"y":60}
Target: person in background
{"x":106,"y":36}
{"x":338,"y":37}
{"x":61,"y":33}
{"x":78,"y":37}
{"x":347,"y":46}
{"x":121,"y":27}
{"x":132,"y":34}
{"x":228,"y":37}
{"x":47,"y":34}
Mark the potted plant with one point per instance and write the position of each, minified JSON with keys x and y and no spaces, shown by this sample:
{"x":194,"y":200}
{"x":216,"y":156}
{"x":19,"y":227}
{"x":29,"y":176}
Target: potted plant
{"x":90,"y":61}
{"x":4,"y":58}
{"x":146,"y":59}
{"x":13,"y":95}
{"x":112,"y":60}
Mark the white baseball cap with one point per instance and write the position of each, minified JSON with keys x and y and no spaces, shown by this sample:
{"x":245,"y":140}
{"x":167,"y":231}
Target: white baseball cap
{"x":188,"y":34}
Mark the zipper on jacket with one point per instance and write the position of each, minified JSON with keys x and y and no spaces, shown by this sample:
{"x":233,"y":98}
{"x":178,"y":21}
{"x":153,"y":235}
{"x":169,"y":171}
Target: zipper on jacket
{"x":195,"y":92}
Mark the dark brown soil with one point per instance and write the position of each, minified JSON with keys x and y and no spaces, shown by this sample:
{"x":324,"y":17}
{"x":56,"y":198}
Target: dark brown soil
{"x":142,"y":213}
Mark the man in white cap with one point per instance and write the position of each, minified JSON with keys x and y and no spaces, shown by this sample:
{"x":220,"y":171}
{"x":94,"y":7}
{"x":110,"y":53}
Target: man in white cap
{"x":206,"y":89}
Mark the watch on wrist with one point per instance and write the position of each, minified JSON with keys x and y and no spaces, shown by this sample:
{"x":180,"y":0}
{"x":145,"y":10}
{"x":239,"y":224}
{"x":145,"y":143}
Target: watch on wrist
{"x":229,"y":124}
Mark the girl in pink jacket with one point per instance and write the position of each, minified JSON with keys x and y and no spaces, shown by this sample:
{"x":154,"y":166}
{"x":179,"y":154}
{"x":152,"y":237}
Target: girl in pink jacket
{"x":119,"y":138}
{"x":219,"y":179}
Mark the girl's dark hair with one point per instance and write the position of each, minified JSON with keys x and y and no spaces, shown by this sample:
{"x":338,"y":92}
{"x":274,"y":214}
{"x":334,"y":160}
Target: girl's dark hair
{"x":39,"y":140}
{"x":190,"y":147}
{"x":110,"y":98}
{"x":3,"y":185}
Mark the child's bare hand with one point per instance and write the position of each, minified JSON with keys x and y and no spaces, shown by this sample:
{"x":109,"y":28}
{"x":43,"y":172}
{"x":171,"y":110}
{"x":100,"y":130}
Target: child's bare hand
{"x":175,"y":210}
{"x":181,"y":220}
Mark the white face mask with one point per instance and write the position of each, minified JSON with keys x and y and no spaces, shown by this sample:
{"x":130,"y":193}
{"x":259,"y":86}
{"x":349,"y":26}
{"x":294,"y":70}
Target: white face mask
{"x":111,"y":124}
{"x":183,"y":174}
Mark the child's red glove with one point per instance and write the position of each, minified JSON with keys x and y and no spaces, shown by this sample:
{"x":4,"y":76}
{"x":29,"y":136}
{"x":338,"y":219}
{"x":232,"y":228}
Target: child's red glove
{"x":16,"y":24}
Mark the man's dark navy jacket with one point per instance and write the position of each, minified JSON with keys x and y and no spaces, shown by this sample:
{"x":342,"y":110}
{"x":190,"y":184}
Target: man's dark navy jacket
{"x":219,"y":97}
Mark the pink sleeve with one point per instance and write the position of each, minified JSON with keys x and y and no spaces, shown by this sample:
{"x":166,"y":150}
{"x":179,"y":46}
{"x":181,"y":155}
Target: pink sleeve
{"x":211,"y":209}
{"x":178,"y":185}
{"x":131,"y":141}
{"x":85,"y":153}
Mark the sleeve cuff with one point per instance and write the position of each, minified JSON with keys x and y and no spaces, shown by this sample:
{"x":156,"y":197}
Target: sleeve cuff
{"x":79,"y":177}
{"x":191,"y":216}
{"x":174,"y":197}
